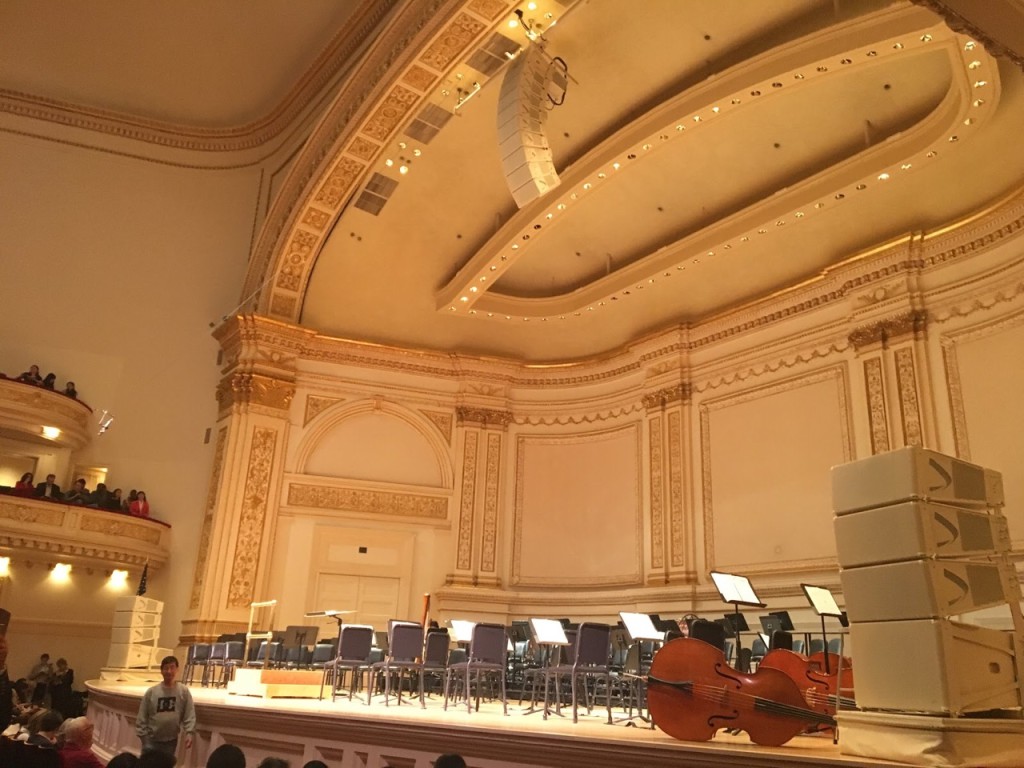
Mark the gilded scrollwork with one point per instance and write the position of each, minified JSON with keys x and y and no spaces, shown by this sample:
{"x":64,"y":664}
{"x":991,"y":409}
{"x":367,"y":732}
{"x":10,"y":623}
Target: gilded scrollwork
{"x":252,"y":518}
{"x":657,"y":493}
{"x":315,"y":405}
{"x":443,"y":422}
{"x":956,"y":400}
{"x":207,"y":527}
{"x":667,"y":396}
{"x":464,"y":555}
{"x":492,"y":472}
{"x":298,"y":252}
{"x":910,"y":409}
{"x":483,"y":416}
{"x":874,"y":386}
{"x":124,"y":529}
{"x":675,"y":488}
{"x":452,"y":42}
{"x":883,"y":331}
{"x":367,"y":501}
{"x":255,"y":389}
{"x":21,"y":513}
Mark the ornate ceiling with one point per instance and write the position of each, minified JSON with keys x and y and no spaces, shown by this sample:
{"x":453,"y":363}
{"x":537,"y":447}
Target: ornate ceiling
{"x":707,"y":153}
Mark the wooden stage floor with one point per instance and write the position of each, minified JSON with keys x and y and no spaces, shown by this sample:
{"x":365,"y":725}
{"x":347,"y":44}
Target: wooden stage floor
{"x":354,"y":735}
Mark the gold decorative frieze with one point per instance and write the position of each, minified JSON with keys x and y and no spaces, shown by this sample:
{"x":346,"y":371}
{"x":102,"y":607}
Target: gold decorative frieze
{"x":464,"y":553}
{"x":315,"y":405}
{"x":910,"y":410}
{"x":419,"y":78}
{"x":489,"y":9}
{"x":883,"y":331}
{"x":207,"y":527}
{"x":27,"y":513}
{"x":483,"y":416}
{"x":874,"y":387}
{"x":120,"y":527}
{"x":668,"y":396}
{"x":443,"y":422}
{"x":282,"y":306}
{"x":675,"y":488}
{"x":252,"y":518}
{"x":338,"y":184}
{"x":363,"y":148}
{"x":452,"y":42}
{"x":316,"y":219}
{"x":956,"y":400}
{"x":492,"y":473}
{"x":255,"y":389}
{"x":298,"y":252}
{"x":368,"y":502}
{"x":386,"y":119}
{"x":657,"y":493}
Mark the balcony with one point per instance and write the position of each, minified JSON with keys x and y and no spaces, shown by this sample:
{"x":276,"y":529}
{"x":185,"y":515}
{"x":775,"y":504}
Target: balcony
{"x":26,"y":410}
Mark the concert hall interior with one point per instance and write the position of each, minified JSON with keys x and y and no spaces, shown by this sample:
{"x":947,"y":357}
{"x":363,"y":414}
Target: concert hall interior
{"x":489,"y":310}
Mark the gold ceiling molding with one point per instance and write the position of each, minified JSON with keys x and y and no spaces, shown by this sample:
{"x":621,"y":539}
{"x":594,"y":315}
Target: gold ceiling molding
{"x":677,"y":393}
{"x":994,"y":26}
{"x":327,"y":66}
{"x":349,"y":499}
{"x":466,"y":415}
{"x":246,"y":389}
{"x":315,"y":405}
{"x":252,"y":518}
{"x":892,"y":328}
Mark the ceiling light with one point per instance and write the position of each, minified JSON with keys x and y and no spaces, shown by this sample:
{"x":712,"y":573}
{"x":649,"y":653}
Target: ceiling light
{"x":531,"y":6}
{"x":403,"y":169}
{"x":61,"y":572}
{"x":974,"y":64}
{"x":615,"y":166}
{"x":464,"y":299}
{"x":118,"y":578}
{"x":926,"y":38}
{"x":417,"y":152}
{"x":51,"y":433}
{"x":494,"y":267}
{"x":402,"y":145}
{"x":513,"y":23}
{"x":587,"y":186}
{"x":905,"y":167}
{"x":5,"y":566}
{"x":970,"y":45}
{"x":389,"y":162}
{"x":473,"y":289}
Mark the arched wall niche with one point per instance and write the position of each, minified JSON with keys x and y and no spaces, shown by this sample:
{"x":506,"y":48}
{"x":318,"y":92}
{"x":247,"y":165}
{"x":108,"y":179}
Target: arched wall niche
{"x":375,"y":441}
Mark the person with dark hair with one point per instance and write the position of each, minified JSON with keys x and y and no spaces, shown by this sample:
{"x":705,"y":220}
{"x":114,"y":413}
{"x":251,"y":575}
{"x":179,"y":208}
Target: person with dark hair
{"x":49,"y":489}
{"x":43,"y":728}
{"x":273,"y":762}
{"x":123,"y":760}
{"x":155,"y":758}
{"x":25,"y":486}
{"x":226,"y":756}
{"x":165,"y":711}
{"x":139,"y":507}
{"x":78,"y":494}
{"x":61,"y":695}
{"x":450,"y":761}
{"x":49,"y":380}
{"x":6,"y":689}
{"x":31,"y":376}
{"x":315,"y":764}
{"x":70,"y":391}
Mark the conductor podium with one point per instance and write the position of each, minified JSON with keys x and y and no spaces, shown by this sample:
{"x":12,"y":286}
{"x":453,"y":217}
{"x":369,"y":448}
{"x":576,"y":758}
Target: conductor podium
{"x":922,"y":543}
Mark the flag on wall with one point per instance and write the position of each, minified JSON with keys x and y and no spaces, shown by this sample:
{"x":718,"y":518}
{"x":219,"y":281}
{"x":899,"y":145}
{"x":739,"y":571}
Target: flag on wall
{"x":142,"y":580}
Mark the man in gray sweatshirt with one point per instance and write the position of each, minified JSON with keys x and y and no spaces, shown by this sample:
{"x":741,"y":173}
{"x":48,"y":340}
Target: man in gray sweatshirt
{"x":165,"y":710}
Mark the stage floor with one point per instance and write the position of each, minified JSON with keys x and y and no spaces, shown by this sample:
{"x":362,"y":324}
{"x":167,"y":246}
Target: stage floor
{"x":353,"y":735}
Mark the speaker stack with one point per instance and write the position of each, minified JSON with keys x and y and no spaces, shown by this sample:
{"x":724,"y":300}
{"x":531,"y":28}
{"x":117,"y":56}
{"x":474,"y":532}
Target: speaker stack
{"x":922,"y":541}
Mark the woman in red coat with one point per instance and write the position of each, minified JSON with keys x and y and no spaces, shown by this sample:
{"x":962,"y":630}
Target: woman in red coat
{"x":25,"y":486}
{"x":140,"y":507}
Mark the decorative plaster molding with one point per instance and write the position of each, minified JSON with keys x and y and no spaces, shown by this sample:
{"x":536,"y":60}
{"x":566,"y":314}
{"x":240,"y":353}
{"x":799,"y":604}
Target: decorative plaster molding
{"x":492,"y":473}
{"x":365,"y":501}
{"x":441,"y":420}
{"x":874,"y":389}
{"x":23,"y":513}
{"x":677,"y":534}
{"x":252,"y":518}
{"x":483,"y":416}
{"x":910,"y":410}
{"x":315,"y":405}
{"x":207,"y":528}
{"x":667,"y":396}
{"x":964,"y":26}
{"x":657,"y":480}
{"x":956,"y":399}
{"x":464,"y":554}
{"x":120,"y":528}
{"x":882,"y":332}
{"x":245,"y":389}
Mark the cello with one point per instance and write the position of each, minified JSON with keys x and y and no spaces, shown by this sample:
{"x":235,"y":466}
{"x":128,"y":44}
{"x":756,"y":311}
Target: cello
{"x":822,"y":690}
{"x":692,"y":692}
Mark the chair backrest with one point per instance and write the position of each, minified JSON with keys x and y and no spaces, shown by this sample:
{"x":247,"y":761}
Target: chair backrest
{"x":593,"y":644}
{"x":817,"y":646}
{"x":217,"y":651}
{"x":234,"y":650}
{"x":782,"y":639}
{"x":758,"y":649}
{"x":198,"y":652}
{"x":322,"y":653}
{"x":489,"y":644}
{"x":406,"y":642}
{"x":835,"y":645}
{"x":568,"y":654}
{"x":356,"y":642}
{"x":436,"y":652}
{"x":710,"y":632}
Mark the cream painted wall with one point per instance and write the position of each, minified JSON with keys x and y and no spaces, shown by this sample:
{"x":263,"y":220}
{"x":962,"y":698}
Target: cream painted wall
{"x":112,"y":270}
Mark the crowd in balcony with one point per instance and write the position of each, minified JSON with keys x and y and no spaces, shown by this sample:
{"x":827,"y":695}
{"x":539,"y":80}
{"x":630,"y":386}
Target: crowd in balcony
{"x":49,"y":381}
{"x":135,"y":503}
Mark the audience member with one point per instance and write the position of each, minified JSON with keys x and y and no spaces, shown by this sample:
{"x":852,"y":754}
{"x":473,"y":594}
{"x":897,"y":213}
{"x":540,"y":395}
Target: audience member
{"x":115,"y":501}
{"x":315,"y":764}
{"x":48,"y":380}
{"x":123,"y":760}
{"x":140,"y":507}
{"x":273,"y":762}
{"x":78,"y":494}
{"x":43,"y":728}
{"x":226,"y":756}
{"x":62,"y":697}
{"x":450,"y":761}
{"x":25,"y":486}
{"x":126,"y":504}
{"x":39,"y":678}
{"x":165,"y":710}
{"x":155,"y":758}
{"x":6,"y":690}
{"x":70,"y":391}
{"x":100,"y":498}
{"x":31,"y":376}
{"x":77,"y":749}
{"x":49,"y":489}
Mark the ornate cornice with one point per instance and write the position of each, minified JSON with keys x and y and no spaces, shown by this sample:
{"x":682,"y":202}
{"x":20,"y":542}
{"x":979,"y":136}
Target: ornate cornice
{"x":243,"y":389}
{"x":366,"y":501}
{"x":465,"y":414}
{"x":678,"y":393}
{"x":884,"y":331}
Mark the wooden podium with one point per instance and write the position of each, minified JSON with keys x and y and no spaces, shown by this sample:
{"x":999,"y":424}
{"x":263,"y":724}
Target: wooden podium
{"x":277,"y":683}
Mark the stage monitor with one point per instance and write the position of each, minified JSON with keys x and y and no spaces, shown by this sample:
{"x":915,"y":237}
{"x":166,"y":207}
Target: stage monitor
{"x":822,"y":601}
{"x":735,"y":589}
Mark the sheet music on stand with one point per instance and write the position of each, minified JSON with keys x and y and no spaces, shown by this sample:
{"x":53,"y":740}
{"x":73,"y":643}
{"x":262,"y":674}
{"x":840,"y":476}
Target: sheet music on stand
{"x":548,"y":632}
{"x":640,"y":627}
{"x":462,"y":630}
{"x":735,"y":589}
{"x":824,"y":604}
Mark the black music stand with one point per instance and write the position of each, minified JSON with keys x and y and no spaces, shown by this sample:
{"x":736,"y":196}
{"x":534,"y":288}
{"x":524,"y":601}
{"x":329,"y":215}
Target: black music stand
{"x":336,"y":615}
{"x":824,"y":604}
{"x":787,"y":622}
{"x":640,"y":628}
{"x":736,"y":590}
{"x":549,"y":636}
{"x":298,"y":636}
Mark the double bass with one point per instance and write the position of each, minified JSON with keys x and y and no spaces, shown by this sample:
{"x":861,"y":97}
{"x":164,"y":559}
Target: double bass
{"x":824,"y":680}
{"x":692,"y":692}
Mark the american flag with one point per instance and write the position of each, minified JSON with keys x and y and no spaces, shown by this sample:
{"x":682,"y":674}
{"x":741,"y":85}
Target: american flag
{"x":142,"y":580}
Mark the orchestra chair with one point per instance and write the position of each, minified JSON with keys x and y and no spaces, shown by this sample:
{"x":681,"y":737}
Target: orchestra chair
{"x":435,"y":660}
{"x":757,"y":651}
{"x":835,"y":645}
{"x":198,"y":653}
{"x":817,"y":646}
{"x":710,"y":632}
{"x":355,"y":644}
{"x":550,"y":656}
{"x":214,"y":662}
{"x":488,"y":657}
{"x":781,"y":639}
{"x":405,"y":646}
{"x":234,"y":653}
{"x":590,"y":660}
{"x":323,"y":652}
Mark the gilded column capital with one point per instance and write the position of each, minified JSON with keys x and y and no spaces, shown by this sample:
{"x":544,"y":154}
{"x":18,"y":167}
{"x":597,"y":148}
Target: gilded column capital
{"x":256,"y":344}
{"x":678,"y":393}
{"x":910,"y":323}
{"x":254,"y":389}
{"x":466,"y":414}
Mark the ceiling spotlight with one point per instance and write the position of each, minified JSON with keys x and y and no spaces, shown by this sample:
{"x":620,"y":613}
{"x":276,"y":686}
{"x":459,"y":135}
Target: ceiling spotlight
{"x":105,"y":420}
{"x":51,"y":433}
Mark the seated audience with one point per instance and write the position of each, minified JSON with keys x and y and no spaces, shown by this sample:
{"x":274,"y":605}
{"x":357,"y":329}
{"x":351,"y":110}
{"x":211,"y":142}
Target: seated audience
{"x":315,"y":764}
{"x":48,"y":380}
{"x":70,"y":391}
{"x":156,"y":758}
{"x":123,"y":760}
{"x":31,"y":376}
{"x":140,"y":507}
{"x":43,"y":728}
{"x":78,"y":494}
{"x":450,"y":761}
{"x":77,"y":750}
{"x":126,"y":504}
{"x":115,"y":501}
{"x":226,"y":756}
{"x":25,"y":486}
{"x":273,"y":762}
{"x":6,"y":689}
{"x":49,"y":489}
{"x":100,"y":498}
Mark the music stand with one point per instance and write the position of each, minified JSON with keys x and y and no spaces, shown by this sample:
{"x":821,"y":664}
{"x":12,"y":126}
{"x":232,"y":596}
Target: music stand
{"x":824,"y":604}
{"x":336,"y":615}
{"x":297,"y":636}
{"x":640,"y":628}
{"x":787,"y":623}
{"x":549,"y":635}
{"x":770,"y":624}
{"x":462,"y":630}
{"x":736,"y":590}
